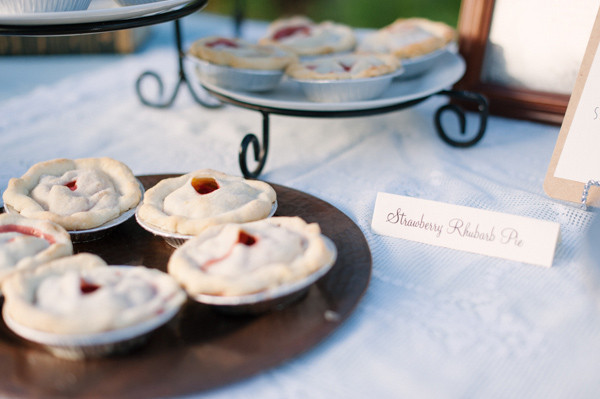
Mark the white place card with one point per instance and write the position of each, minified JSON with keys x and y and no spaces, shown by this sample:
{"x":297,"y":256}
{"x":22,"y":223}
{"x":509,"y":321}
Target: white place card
{"x":474,"y":230}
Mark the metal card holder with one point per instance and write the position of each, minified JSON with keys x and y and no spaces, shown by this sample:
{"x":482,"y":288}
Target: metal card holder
{"x":586,"y":190}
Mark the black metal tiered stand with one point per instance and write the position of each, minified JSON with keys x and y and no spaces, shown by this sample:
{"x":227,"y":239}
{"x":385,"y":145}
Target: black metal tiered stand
{"x":260,"y":151}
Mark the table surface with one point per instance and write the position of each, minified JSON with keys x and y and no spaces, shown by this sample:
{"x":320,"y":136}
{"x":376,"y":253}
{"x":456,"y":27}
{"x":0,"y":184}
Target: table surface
{"x":434,"y":322}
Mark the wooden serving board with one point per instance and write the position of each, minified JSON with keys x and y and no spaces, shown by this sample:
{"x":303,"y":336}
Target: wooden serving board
{"x":200,"y":349}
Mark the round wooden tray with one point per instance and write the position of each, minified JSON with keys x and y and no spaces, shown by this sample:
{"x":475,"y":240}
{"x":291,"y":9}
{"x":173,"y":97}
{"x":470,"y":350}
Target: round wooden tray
{"x":201,"y":349}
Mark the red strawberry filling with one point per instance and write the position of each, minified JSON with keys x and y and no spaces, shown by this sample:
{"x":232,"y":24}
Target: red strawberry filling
{"x":246,"y":239}
{"x":26,"y":230}
{"x":87,"y":287}
{"x":222,"y":42}
{"x":243,"y":238}
{"x":290,"y":31}
{"x":346,"y":68}
{"x":204,"y":185}
{"x":72,"y":185}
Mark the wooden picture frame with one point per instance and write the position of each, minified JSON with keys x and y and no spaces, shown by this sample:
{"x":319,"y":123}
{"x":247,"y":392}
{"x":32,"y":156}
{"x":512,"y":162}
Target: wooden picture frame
{"x":474,"y":24}
{"x":580,"y":165}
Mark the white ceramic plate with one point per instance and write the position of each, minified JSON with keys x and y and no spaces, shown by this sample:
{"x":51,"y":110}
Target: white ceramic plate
{"x":288,"y":95}
{"x":99,"y":11}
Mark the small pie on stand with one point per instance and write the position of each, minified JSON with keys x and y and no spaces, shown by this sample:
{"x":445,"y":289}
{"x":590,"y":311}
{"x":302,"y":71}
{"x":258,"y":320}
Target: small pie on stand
{"x":305,"y":37}
{"x":409,"y":38}
{"x":238,"y":53}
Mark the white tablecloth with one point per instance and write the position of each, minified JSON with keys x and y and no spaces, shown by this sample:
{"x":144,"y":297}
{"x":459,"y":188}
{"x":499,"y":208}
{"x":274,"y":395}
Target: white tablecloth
{"x":434,"y":322}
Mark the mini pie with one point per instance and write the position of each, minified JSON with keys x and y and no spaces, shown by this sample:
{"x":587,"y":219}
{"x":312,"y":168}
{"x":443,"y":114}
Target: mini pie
{"x":306,"y":38}
{"x":27,"y":243}
{"x":239,"y":259}
{"x":409,"y":38}
{"x":82,"y":295}
{"x":238,"y":53}
{"x":350,"y":66}
{"x":77,"y":194}
{"x":190,"y":203}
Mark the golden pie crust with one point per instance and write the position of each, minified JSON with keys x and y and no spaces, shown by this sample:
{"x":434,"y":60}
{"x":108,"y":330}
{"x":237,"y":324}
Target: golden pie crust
{"x":27,"y":243}
{"x":190,"y":203}
{"x":81,"y":294}
{"x":238,"y":53}
{"x":350,"y":66}
{"x":239,"y":259}
{"x":77,"y":194}
{"x":409,"y":38}
{"x":305,"y":37}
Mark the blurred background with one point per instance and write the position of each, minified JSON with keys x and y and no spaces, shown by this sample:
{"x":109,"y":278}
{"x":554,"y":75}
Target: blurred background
{"x":62,"y":54}
{"x":356,"y":13}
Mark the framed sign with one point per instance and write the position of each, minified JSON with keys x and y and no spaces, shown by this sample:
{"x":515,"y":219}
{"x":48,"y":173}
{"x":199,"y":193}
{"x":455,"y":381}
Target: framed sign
{"x":576,"y":161}
{"x":524,"y":55}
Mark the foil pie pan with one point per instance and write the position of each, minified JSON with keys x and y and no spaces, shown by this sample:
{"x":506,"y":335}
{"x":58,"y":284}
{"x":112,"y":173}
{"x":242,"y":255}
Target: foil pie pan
{"x":253,"y":80}
{"x":175,"y":239}
{"x":346,"y":90}
{"x":272,"y":299}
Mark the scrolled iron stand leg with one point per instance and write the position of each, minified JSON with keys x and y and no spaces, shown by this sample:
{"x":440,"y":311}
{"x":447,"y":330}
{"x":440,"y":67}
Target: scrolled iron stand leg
{"x":482,"y":109}
{"x":182,"y":79}
{"x":260,"y":153}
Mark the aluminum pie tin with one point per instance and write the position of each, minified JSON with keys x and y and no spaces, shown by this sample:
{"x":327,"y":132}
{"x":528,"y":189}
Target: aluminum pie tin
{"x":175,"y":239}
{"x":254,"y":80}
{"x":272,"y":299}
{"x":82,"y":346}
{"x":346,"y":90}
{"x":417,"y":66}
{"x":97,"y":232}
